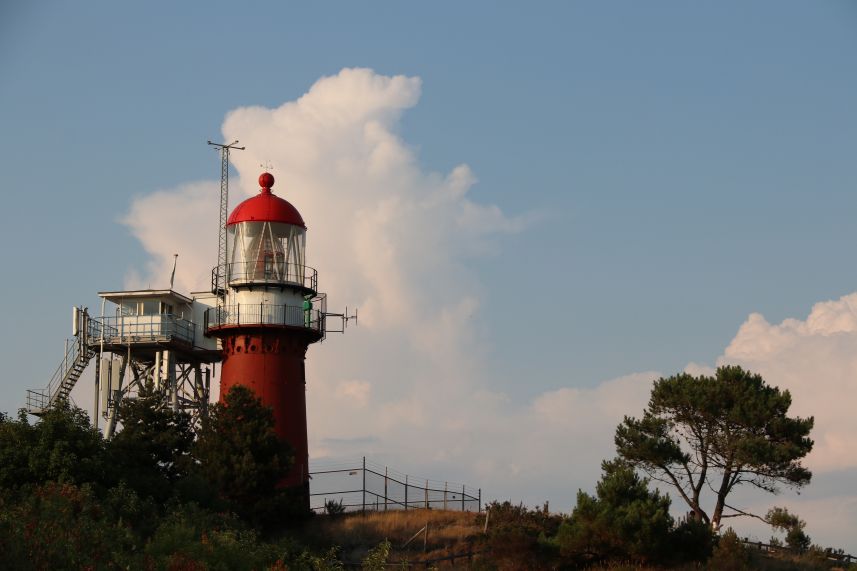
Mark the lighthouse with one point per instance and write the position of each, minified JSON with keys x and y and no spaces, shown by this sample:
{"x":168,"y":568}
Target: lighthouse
{"x":270,"y":313}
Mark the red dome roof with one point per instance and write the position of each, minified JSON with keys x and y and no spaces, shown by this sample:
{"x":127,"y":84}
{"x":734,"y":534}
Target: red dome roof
{"x":266,"y":207}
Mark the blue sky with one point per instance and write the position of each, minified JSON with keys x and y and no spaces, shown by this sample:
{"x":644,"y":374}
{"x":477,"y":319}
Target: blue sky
{"x":683,"y":165}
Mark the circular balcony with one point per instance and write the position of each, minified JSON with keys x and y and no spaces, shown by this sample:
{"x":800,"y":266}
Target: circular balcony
{"x":265,"y":315}
{"x":267,"y":273}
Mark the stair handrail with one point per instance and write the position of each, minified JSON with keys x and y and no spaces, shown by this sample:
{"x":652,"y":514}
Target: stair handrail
{"x":62,"y":370}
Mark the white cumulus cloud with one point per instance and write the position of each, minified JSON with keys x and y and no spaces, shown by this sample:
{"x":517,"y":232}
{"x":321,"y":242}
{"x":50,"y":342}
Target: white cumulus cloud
{"x":389,"y":236}
{"x":815,"y":359}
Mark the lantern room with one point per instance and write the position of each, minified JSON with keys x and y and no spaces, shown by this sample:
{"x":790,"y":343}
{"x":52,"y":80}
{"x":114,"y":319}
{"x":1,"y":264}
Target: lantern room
{"x":267,"y":242}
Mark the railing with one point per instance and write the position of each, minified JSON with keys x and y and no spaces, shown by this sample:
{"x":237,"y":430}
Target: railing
{"x":94,"y":328}
{"x":264,"y":314}
{"x":365,"y":486}
{"x":137,"y":328}
{"x":769,"y":549}
{"x":267,"y":271}
{"x":40,"y":400}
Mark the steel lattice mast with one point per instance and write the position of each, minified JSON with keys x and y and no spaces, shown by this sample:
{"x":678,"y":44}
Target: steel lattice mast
{"x":218,"y":285}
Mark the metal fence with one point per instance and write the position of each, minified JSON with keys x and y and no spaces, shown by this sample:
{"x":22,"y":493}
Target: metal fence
{"x":264,"y":314}
{"x":365,"y":486}
{"x":267,"y":271}
{"x":143,"y":328}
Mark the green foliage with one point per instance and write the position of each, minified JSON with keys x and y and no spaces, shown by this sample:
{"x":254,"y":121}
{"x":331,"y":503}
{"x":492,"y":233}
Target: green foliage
{"x":240,"y":456}
{"x":333,"y":507}
{"x":308,"y":561}
{"x":726,"y":430}
{"x":63,"y":526}
{"x":152,"y":451}
{"x":521,"y":538}
{"x":730,"y":554}
{"x":191,"y":536}
{"x":792,"y":525}
{"x":376,"y":559}
{"x":625,"y":520}
{"x":62,"y":447}
{"x":691,"y":540}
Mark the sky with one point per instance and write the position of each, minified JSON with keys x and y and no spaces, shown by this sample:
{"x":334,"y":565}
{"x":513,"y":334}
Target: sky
{"x":538,"y":208}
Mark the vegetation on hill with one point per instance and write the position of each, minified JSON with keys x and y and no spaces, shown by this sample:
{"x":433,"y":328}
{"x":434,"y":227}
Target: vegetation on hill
{"x":158,"y":497}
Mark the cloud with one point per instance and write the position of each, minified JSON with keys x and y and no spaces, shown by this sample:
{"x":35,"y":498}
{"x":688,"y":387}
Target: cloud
{"x":355,"y":392}
{"x":180,"y":221}
{"x":698,"y":369}
{"x":815,"y":360}
{"x":407,"y":386}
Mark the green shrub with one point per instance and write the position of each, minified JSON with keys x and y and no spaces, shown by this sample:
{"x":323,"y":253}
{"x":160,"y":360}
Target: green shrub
{"x":63,"y":526}
{"x":623,"y":521}
{"x":192,"y":536}
{"x":521,"y":538}
{"x":730,"y":554}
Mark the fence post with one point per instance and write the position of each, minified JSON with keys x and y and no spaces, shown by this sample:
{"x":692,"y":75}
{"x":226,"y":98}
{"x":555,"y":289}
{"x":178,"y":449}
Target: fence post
{"x":462,"y":497}
{"x":445,"y":489}
{"x":364,"y":485}
{"x":480,"y":501}
{"x":406,"y":492}
{"x":426,"y":491}
{"x":385,"y":488}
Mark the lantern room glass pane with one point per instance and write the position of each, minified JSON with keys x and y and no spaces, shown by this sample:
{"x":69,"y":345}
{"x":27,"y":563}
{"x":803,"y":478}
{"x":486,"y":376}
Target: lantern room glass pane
{"x":266,"y":252}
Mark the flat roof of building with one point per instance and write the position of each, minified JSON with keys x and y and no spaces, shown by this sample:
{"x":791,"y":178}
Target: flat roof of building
{"x":144,"y":293}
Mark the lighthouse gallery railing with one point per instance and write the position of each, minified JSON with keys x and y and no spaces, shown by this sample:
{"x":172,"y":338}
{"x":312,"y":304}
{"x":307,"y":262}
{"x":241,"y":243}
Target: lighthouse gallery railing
{"x":264,"y":314}
{"x":268,"y":271}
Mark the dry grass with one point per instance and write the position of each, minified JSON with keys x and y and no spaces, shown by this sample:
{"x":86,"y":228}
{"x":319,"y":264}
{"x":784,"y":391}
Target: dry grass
{"x":448,"y":532}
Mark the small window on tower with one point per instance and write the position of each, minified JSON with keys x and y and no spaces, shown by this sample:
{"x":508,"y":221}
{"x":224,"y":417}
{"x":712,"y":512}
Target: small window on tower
{"x":166,"y":308}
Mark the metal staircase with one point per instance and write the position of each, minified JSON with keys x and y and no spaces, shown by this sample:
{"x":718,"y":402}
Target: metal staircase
{"x":77,"y":356}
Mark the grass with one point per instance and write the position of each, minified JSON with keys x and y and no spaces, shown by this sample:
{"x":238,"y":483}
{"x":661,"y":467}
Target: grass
{"x":449,"y":532}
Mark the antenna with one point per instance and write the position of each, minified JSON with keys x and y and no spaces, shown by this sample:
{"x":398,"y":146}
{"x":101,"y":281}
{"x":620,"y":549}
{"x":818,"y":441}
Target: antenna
{"x":343,"y":319}
{"x":218,"y":287}
{"x":350,"y":317}
{"x":173,"y":275}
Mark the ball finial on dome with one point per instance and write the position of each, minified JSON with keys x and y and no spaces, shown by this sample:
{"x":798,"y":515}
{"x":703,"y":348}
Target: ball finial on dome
{"x":266,"y":180}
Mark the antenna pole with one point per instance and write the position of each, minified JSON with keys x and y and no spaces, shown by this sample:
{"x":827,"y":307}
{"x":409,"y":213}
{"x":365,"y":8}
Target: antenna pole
{"x":219,"y":285}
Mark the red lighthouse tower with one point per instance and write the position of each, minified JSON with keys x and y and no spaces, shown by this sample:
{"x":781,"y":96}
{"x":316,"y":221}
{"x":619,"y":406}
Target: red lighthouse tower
{"x":270,"y":314}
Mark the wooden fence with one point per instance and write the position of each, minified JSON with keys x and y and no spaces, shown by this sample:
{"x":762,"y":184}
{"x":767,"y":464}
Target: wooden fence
{"x":831,"y":554}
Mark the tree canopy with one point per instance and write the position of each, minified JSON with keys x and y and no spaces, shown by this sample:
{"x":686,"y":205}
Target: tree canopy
{"x":623,"y":520}
{"x":714,"y":433}
{"x":239,"y":453}
{"x":152,"y":451}
{"x":62,"y":447}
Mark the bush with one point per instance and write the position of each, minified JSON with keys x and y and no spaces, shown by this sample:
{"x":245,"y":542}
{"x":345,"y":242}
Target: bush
{"x":691,"y":540}
{"x":334,"y":508}
{"x":521,"y":538}
{"x":792,"y":525}
{"x":191,"y":537}
{"x":62,"y":447}
{"x":63,"y":526}
{"x":730,"y":554}
{"x":623,"y":521}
